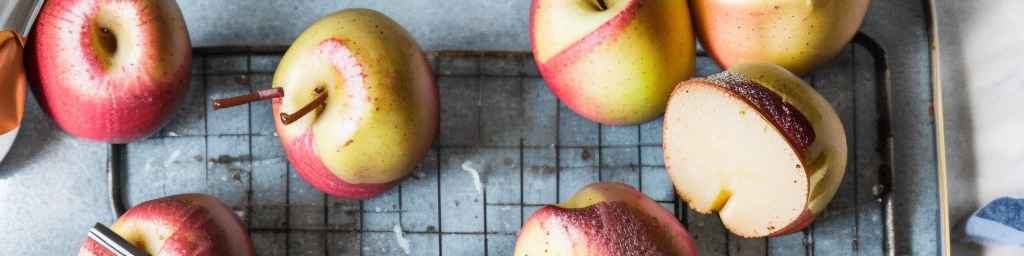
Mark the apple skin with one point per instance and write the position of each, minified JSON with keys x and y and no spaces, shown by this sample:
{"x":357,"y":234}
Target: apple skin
{"x":808,"y":122}
{"x":187,"y":224}
{"x":111,"y":89}
{"x":605,"y":218}
{"x":381,"y":113}
{"x":616,"y":66}
{"x":796,"y":34}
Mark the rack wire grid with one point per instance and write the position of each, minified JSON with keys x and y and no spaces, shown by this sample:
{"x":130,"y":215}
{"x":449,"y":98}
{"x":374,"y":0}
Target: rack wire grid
{"x":498,"y":117}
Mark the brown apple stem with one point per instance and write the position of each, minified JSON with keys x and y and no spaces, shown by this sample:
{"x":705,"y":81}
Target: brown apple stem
{"x":265,"y":94}
{"x":317,"y":103}
{"x":601,"y":5}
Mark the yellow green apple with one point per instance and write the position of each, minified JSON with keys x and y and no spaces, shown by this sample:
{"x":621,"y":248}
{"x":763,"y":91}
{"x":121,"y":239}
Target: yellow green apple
{"x":796,"y":34}
{"x":604,"y":219}
{"x":613,"y":61}
{"x":757,"y":145}
{"x":375,"y":109}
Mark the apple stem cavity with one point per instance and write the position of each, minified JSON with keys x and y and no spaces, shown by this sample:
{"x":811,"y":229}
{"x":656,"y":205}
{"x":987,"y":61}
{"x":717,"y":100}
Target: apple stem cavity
{"x":108,"y":41}
{"x":317,"y":103}
{"x":601,"y":5}
{"x":265,"y":94}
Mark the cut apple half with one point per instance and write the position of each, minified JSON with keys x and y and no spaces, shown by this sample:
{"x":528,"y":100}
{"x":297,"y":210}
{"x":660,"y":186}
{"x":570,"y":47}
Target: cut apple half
{"x":757,"y":145}
{"x":604,"y":219}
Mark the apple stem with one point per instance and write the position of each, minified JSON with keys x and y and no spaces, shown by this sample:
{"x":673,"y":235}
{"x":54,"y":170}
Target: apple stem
{"x":265,"y":94}
{"x":601,"y":5}
{"x":317,"y":103}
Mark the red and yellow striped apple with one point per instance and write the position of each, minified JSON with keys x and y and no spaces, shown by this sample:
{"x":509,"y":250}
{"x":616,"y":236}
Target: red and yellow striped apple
{"x":376,"y":104}
{"x":107,"y":70}
{"x":604,"y":219}
{"x":613,"y":61}
{"x":189,"y":224}
{"x":757,"y":145}
{"x":796,"y":34}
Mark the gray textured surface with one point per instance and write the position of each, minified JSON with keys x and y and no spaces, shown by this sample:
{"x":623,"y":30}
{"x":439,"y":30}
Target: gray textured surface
{"x":496,"y":113}
{"x":453,"y":24}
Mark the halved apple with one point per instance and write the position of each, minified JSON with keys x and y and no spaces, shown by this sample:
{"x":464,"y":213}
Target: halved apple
{"x":757,"y":145}
{"x":604,"y":219}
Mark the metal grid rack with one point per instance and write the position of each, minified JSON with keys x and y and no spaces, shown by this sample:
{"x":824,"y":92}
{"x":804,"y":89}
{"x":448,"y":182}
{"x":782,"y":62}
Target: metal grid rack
{"x":497,"y":115}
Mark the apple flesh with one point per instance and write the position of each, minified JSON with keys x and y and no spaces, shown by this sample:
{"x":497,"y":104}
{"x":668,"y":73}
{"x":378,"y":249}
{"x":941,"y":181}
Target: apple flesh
{"x":189,"y":224}
{"x":613,"y":61}
{"x":381,"y":112}
{"x":757,"y":145}
{"x":604,"y":219}
{"x":12,"y":88}
{"x":796,"y":34}
{"x":111,"y":71}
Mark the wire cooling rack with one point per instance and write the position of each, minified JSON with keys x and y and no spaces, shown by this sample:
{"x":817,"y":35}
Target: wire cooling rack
{"x":498,"y":119}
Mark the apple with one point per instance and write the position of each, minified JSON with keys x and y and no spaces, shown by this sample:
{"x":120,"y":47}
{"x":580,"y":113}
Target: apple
{"x":796,"y":34}
{"x":188,"y":224}
{"x":757,"y":145}
{"x":613,"y":61}
{"x":359,"y":107}
{"x":12,"y":88}
{"x":107,"y":70}
{"x":604,"y":219}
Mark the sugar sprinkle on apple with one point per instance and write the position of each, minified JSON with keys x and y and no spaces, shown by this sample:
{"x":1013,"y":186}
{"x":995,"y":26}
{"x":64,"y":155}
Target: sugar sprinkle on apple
{"x":605,"y":218}
{"x":757,"y":145}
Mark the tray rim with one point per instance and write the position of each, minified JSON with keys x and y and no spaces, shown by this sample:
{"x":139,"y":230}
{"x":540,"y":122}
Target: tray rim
{"x":940,"y":129}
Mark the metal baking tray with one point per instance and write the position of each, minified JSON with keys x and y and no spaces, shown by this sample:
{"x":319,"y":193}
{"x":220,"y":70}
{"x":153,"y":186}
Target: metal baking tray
{"x":498,"y":115}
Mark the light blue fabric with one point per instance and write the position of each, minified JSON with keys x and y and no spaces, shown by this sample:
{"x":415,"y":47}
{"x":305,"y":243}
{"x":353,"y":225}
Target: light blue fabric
{"x":1001,"y":221}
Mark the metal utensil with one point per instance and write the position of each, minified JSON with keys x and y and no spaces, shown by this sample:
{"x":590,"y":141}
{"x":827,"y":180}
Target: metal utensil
{"x":113,"y":242}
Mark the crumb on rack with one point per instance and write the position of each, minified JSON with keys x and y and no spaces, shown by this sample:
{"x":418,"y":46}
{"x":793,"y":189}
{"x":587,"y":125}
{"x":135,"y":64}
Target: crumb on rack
{"x":468,"y":167}
{"x":400,"y":238}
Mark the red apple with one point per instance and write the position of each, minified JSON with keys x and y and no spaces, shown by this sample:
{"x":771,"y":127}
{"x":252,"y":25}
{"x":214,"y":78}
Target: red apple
{"x":372,"y":100}
{"x":613,"y":61}
{"x":189,"y":224}
{"x":796,"y":34}
{"x":109,"y":70}
{"x":757,"y":145}
{"x":604,"y":219}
